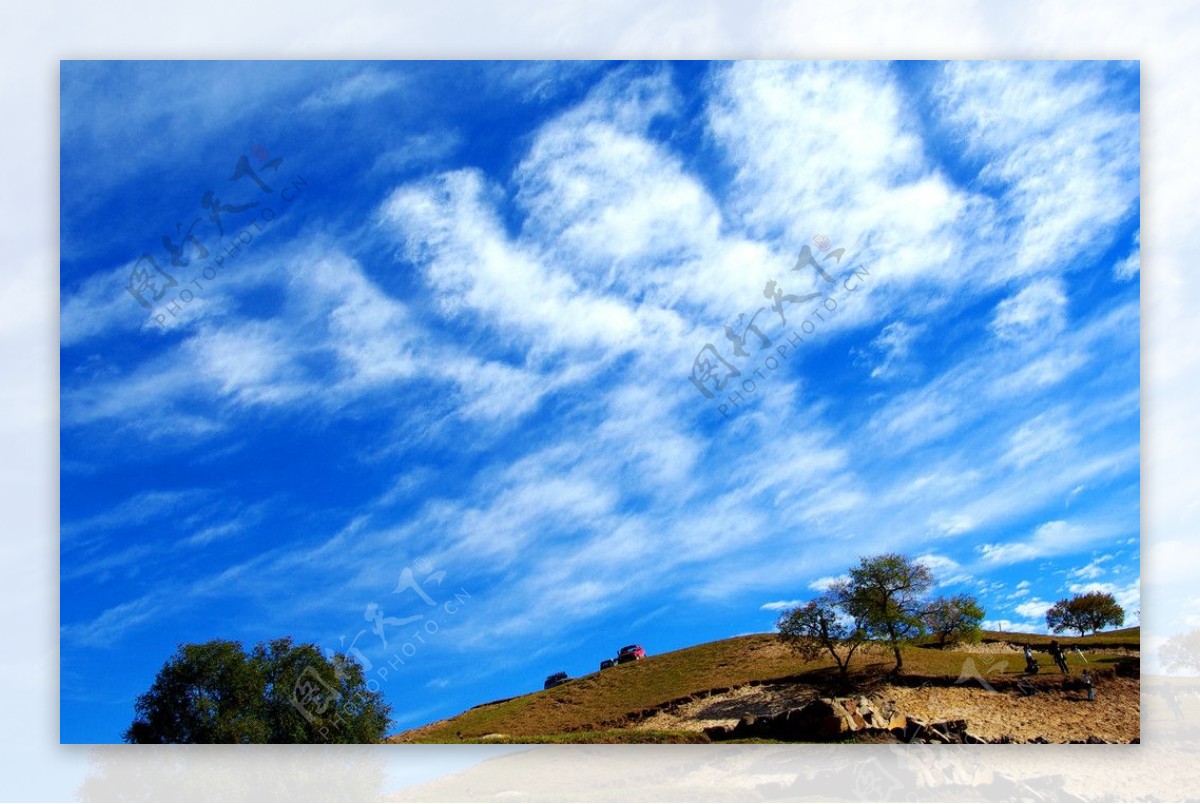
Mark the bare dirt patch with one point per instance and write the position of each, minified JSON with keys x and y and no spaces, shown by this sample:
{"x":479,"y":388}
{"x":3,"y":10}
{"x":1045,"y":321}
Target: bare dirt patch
{"x":726,"y":709}
{"x":1055,"y":715}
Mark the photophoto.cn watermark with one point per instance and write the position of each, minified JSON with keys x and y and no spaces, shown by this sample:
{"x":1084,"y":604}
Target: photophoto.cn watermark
{"x":314,"y":696}
{"x":712,"y":373}
{"x":153,"y":286}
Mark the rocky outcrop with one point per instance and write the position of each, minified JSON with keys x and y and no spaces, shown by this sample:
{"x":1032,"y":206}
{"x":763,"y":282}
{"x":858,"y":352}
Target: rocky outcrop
{"x":825,"y":719}
{"x":830,"y":719}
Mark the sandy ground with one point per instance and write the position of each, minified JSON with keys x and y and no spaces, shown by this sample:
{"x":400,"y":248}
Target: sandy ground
{"x":1054,"y":715}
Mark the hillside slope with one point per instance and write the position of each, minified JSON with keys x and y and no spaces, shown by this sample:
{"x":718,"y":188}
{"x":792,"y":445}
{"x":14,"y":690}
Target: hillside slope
{"x":616,"y":704}
{"x":602,"y":699}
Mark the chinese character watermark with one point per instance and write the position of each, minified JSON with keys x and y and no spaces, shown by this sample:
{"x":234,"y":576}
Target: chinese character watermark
{"x":151,"y":279}
{"x":712,"y":372}
{"x":313,"y":695}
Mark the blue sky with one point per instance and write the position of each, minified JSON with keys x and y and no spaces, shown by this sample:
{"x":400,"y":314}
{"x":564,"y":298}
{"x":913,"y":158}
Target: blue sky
{"x":456,"y":334}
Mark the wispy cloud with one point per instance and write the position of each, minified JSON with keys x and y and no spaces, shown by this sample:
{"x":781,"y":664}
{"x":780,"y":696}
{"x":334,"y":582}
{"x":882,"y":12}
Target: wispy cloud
{"x":1129,"y":267}
{"x":479,"y":356}
{"x":1032,"y":609}
{"x":1037,"y":311}
{"x":361,"y":87}
{"x":893,"y":347}
{"x":824,"y":583}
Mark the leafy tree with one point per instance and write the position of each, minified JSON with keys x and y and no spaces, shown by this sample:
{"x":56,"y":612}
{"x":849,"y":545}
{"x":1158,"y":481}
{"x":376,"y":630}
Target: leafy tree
{"x":278,"y":693}
{"x":884,"y":595}
{"x":817,"y":627}
{"x":1083,"y":613}
{"x":953,"y":619}
{"x":1181,"y":652}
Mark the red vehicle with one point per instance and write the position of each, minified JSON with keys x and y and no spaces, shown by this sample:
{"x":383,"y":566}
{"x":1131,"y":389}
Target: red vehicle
{"x":630,"y":653}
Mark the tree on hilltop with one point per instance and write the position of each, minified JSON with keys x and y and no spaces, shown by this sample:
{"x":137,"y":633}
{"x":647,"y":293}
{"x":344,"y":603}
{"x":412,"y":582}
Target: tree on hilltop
{"x":954,"y":619}
{"x":1083,"y":613}
{"x":817,"y":627}
{"x":884,"y":594}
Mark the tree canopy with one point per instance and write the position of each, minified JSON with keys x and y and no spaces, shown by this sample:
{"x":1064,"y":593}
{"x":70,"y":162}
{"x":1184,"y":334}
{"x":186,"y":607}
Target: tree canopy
{"x":884,"y":594}
{"x":954,"y":619}
{"x":882,"y":598}
{"x":1083,"y":613}
{"x":817,"y":627}
{"x":279,"y":692}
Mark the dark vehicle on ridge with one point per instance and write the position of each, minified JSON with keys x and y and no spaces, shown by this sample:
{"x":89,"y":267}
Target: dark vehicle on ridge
{"x":607,"y":663}
{"x":556,"y":679}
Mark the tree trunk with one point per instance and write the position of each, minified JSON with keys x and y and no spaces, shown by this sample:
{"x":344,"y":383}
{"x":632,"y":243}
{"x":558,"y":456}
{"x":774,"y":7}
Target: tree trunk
{"x":899,"y":659}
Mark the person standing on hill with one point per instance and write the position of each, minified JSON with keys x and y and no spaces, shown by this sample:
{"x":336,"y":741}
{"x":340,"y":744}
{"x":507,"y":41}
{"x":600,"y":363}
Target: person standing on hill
{"x":1086,"y":678}
{"x":1060,"y":658}
{"x":1031,"y":665}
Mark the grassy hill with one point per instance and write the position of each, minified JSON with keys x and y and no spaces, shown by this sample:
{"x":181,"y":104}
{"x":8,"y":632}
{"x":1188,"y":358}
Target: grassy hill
{"x":597,"y":707}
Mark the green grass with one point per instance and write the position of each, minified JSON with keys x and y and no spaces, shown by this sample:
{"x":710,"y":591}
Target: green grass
{"x":1123,"y":637}
{"x":603,"y":699}
{"x":594,"y":708}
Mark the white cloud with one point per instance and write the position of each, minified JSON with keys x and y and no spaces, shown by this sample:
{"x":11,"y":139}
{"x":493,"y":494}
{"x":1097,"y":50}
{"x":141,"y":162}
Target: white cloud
{"x":1128,"y":596}
{"x":1009,"y":626}
{"x":362,"y":86}
{"x":418,"y":151}
{"x":98,"y":304}
{"x":954,"y":525}
{"x":1066,"y":158}
{"x":1034,"y":608}
{"x":824,"y":583}
{"x":608,"y":203}
{"x":1046,"y":435}
{"x":1037,"y":311}
{"x":894,"y":344}
{"x":937,"y":563}
{"x":454,"y":233}
{"x":779,"y":605}
{"x":1129,"y":267}
{"x":1050,"y":538}
{"x":141,"y":508}
{"x":819,"y":144}
{"x":1090,"y":571}
{"x":107,"y":628}
{"x":1021,"y":590}
{"x":371,"y":333}
{"x":252,"y":363}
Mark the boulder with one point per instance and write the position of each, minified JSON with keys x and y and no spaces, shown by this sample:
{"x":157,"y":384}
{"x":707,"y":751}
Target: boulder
{"x":759,"y":726}
{"x":820,"y":719}
{"x":743,"y":728}
{"x":716,"y":733}
{"x":914,"y":729}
